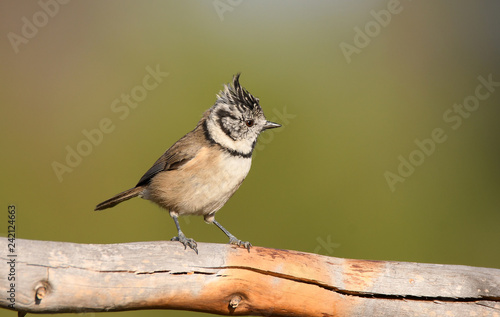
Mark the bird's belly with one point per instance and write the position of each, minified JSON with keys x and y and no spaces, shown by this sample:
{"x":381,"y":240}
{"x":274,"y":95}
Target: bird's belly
{"x":199,"y":189}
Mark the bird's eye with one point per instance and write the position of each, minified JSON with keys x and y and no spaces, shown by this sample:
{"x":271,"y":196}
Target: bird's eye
{"x":249,"y":123}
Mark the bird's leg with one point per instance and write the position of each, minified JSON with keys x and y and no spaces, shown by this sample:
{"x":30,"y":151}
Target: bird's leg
{"x":182,"y":238}
{"x":233,"y":239}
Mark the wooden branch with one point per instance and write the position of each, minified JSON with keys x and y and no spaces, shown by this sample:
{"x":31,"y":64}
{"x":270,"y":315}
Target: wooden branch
{"x":57,"y":277}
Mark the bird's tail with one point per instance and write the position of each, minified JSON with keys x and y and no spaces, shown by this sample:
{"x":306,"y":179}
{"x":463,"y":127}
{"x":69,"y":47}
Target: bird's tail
{"x":115,"y":200}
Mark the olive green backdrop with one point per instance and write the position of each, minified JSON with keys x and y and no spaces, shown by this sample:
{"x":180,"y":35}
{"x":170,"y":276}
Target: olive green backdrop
{"x":354,"y":85}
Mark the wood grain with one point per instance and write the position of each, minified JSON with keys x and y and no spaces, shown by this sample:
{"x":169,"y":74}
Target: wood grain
{"x":57,"y":277}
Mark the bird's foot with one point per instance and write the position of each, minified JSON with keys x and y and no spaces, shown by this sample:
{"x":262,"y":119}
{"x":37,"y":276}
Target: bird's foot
{"x":238,"y":242}
{"x":187,"y":242}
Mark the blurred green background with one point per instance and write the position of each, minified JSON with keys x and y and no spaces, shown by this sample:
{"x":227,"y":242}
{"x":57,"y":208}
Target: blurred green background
{"x":317,"y":184}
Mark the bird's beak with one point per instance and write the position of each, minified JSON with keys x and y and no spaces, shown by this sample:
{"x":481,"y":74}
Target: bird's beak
{"x":271,"y":125}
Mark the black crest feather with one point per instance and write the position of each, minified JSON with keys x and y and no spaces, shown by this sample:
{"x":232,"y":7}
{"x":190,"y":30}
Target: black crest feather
{"x":236,"y":94}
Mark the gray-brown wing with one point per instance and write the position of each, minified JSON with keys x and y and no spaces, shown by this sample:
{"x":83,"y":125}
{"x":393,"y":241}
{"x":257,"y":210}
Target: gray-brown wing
{"x":179,"y":154}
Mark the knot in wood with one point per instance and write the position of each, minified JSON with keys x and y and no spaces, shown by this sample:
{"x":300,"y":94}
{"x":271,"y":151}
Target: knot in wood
{"x":235,"y":301}
{"x":41,"y":290}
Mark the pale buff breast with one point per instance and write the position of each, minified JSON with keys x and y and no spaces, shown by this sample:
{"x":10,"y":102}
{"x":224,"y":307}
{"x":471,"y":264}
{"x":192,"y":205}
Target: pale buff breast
{"x":202,"y":186}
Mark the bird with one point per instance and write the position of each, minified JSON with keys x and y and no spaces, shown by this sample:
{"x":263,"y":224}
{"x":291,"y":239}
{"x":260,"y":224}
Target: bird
{"x":203,"y":169}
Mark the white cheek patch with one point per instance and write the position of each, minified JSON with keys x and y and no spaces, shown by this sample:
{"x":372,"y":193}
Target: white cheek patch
{"x":242,"y":146}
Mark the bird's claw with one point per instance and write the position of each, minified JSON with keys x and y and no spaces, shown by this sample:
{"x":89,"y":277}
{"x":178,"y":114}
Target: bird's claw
{"x":238,"y":242}
{"x":187,"y":242}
